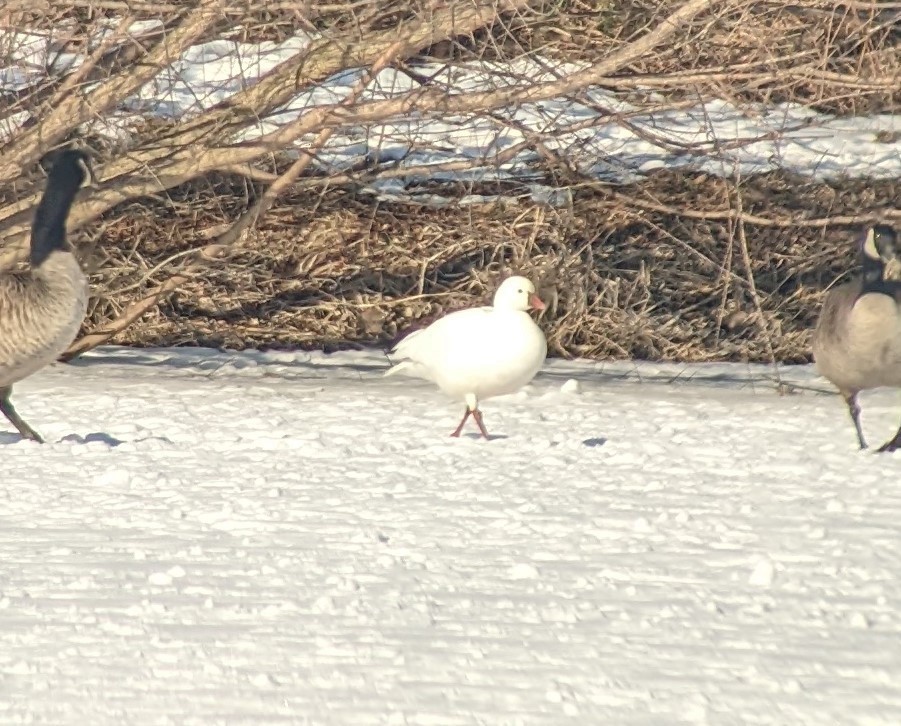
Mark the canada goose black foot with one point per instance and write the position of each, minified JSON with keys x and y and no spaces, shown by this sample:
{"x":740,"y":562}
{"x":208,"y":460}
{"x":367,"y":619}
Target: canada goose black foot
{"x":892,"y":445}
{"x":854,"y":410}
{"x":9,"y":411}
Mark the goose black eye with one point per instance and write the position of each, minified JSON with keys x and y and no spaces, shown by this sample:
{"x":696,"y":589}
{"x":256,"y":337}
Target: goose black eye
{"x":520,"y":291}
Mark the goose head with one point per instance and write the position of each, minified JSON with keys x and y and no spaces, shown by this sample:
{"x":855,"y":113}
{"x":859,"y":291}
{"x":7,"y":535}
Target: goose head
{"x":880,"y":254}
{"x":517,"y":293}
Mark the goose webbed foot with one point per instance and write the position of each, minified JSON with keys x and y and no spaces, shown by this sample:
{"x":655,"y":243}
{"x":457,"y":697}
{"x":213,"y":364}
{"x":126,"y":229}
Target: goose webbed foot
{"x":9,"y":411}
{"x":893,"y":444}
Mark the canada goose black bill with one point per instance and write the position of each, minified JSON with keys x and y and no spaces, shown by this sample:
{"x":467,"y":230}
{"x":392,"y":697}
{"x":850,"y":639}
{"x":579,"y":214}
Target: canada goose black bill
{"x":43,"y":307}
{"x":857,"y":341}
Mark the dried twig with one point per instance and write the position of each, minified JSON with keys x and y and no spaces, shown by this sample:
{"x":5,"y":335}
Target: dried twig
{"x":738,"y":232}
{"x":69,"y":110}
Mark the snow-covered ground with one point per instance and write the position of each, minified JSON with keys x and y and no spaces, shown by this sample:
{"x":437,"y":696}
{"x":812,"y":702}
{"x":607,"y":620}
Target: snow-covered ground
{"x":604,"y":133}
{"x":272,"y":538}
{"x":280,"y":538}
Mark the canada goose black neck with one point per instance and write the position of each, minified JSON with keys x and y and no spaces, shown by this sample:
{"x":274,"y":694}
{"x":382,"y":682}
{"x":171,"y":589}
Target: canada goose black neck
{"x":872,"y":272}
{"x":48,"y":231}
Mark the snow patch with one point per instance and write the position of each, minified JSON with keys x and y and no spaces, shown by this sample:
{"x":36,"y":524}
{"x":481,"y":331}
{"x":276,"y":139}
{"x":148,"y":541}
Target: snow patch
{"x":716,"y":136}
{"x":693,"y":571}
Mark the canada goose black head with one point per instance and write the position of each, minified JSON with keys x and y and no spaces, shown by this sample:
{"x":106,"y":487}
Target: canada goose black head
{"x":70,"y":171}
{"x":880,"y":255}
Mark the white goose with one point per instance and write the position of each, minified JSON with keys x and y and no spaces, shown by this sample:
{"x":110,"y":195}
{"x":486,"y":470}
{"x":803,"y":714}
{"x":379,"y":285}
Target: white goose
{"x":481,"y":352}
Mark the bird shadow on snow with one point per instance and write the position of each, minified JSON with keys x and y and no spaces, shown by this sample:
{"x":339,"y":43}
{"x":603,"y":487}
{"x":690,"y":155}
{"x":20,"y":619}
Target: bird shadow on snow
{"x":479,"y":437}
{"x":8,"y":438}
{"x":91,"y":438}
{"x":590,"y":442}
{"x":111,"y":441}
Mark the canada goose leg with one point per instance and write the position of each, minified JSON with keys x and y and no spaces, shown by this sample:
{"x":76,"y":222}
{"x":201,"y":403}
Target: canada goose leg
{"x":854,"y":410}
{"x":459,"y":428}
{"x":477,"y":415}
{"x":9,"y":411}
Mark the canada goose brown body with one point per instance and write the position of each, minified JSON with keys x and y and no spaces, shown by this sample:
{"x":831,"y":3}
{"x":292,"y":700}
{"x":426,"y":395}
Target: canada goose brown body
{"x":40,"y":315}
{"x":43,"y":307}
{"x":857,"y":341}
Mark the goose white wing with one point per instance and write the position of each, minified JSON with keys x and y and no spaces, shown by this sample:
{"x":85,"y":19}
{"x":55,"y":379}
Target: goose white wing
{"x":422,"y":352}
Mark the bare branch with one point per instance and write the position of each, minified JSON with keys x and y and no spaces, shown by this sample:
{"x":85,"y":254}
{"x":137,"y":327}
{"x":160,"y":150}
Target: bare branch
{"x":71,"y":110}
{"x":218,"y":248}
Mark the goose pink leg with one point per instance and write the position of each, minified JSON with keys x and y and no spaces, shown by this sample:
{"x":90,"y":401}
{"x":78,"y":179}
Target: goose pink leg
{"x":460,"y":427}
{"x":477,"y":415}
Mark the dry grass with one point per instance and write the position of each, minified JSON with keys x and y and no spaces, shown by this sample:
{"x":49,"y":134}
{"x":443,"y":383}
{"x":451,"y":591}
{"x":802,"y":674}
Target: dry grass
{"x":681,"y":266}
{"x":335,"y":270}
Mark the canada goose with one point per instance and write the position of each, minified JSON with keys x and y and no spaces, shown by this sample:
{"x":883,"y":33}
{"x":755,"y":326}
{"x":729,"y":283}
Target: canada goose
{"x":857,"y":341}
{"x":480,"y":352}
{"x":42,"y":308}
